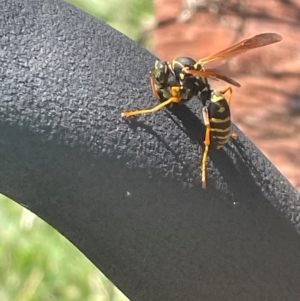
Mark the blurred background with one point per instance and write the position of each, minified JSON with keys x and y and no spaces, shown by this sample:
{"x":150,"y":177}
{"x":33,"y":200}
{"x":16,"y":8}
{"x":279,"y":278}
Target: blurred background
{"x":266,"y":108}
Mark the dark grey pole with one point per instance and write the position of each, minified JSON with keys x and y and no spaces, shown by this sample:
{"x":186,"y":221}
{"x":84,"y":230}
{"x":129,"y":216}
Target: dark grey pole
{"x":127,"y":192}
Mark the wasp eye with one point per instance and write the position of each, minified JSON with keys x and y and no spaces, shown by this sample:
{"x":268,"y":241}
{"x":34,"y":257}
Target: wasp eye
{"x":161,"y":72}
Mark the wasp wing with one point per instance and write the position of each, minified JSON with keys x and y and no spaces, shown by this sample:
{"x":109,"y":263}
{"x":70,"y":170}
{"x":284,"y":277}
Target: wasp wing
{"x":256,"y":41}
{"x":212,"y":74}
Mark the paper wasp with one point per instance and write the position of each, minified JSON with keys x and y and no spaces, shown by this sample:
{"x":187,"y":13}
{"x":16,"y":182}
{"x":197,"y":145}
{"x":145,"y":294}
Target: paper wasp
{"x":190,"y":78}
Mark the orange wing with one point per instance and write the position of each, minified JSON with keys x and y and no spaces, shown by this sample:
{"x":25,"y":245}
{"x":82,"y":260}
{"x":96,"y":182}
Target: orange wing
{"x":256,"y":41}
{"x":212,"y":74}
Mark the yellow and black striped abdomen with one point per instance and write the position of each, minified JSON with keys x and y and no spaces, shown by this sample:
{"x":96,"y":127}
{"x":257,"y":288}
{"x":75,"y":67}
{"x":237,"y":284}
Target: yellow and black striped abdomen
{"x":219,"y":119}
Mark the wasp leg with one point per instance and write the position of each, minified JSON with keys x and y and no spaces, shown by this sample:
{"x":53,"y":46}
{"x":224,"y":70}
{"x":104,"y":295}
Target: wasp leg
{"x":175,"y":98}
{"x":206,"y":143}
{"x":227,"y":89}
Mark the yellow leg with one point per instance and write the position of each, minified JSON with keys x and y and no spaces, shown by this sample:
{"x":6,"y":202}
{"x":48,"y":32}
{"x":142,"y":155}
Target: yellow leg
{"x":226,"y":89}
{"x":206,"y":143}
{"x":175,"y":98}
{"x":234,"y":135}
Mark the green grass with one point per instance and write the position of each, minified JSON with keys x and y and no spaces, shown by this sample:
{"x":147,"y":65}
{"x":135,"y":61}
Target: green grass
{"x":128,"y":16}
{"x":35,"y":269}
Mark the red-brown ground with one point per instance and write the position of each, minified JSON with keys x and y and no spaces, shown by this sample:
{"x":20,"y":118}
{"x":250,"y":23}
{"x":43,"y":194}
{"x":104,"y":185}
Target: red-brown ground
{"x":267,"y":106}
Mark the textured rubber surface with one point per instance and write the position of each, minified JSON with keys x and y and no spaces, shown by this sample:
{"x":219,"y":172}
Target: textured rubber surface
{"x":127,"y":192}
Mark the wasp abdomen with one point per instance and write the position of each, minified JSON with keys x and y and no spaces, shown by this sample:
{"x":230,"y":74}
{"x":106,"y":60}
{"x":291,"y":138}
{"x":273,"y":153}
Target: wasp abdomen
{"x":219,"y":119}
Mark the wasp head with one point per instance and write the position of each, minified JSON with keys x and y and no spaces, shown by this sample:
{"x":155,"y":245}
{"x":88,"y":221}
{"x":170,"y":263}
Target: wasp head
{"x":161,"y":72}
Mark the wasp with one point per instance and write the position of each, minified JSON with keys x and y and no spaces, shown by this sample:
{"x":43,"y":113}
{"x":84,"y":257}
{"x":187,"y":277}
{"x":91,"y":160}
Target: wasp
{"x":184,"y":78}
